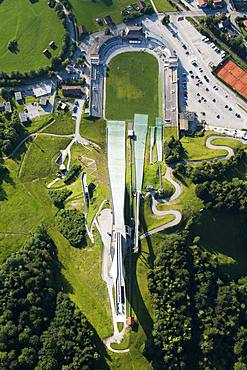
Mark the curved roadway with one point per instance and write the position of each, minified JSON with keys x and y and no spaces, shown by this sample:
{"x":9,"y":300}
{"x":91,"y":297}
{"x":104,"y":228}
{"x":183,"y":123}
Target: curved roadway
{"x":178,"y":187}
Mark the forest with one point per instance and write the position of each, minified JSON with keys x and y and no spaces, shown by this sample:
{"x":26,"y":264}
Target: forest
{"x":37,"y":320}
{"x":200,"y":315}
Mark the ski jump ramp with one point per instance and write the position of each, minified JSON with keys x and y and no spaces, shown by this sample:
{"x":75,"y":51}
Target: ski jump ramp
{"x":140,"y":133}
{"x":116,"y":159}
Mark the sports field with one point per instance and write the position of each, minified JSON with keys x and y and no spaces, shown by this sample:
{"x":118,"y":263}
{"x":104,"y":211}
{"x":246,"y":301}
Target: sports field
{"x":86,"y":11}
{"x":33,"y":26}
{"x":132,"y":86}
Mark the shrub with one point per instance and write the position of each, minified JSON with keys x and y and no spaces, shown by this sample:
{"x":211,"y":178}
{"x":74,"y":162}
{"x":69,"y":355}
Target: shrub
{"x":58,"y":197}
{"x":70,"y":223}
{"x":72,"y":174}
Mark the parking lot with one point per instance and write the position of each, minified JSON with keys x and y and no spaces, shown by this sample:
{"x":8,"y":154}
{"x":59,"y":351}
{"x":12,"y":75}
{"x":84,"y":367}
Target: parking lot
{"x":199,"y":90}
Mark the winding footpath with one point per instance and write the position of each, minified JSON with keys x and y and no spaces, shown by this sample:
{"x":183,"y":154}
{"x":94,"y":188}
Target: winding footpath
{"x":179,"y":188}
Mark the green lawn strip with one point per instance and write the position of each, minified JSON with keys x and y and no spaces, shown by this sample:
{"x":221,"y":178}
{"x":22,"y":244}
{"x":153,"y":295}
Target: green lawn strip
{"x":164,"y":6}
{"x":148,"y":220}
{"x":169,"y":132}
{"x":132,"y":86}
{"x":31,"y":99}
{"x":234,"y":144}
{"x":33,"y":26}
{"x":94,"y":130}
{"x":39,"y":123}
{"x":10,"y":244}
{"x":39,"y":161}
{"x":81,"y":269}
{"x":63,"y":125}
{"x":188,"y":203}
{"x":197,"y":150}
{"x":24,"y":208}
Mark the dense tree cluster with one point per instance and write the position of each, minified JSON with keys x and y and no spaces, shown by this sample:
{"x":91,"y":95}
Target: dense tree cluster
{"x":58,"y":197}
{"x":212,"y":170}
{"x":27,"y":301}
{"x":234,"y":42}
{"x":174,"y":151}
{"x":40,"y":328}
{"x":68,"y":342}
{"x":72,"y":174}
{"x":231,"y":195}
{"x":200,"y":317}
{"x":172,"y":326}
{"x":71,"y":224}
{"x":10,"y":131}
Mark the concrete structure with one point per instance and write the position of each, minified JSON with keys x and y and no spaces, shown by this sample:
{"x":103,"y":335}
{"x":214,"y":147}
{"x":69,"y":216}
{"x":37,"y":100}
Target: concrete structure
{"x":102,"y":51}
{"x":151,"y":143}
{"x":116,"y":162}
{"x":96,"y":88}
{"x":140,"y":132}
{"x":171,"y":93}
{"x":85,"y":190}
{"x":159,"y":139}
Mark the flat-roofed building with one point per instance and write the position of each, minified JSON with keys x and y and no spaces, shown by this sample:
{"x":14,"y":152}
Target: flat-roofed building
{"x":18,"y":96}
{"x":23,"y":117}
{"x":43,"y":101}
{"x":187,"y":122}
{"x":8,"y":107}
{"x":72,"y":90}
{"x":134,"y":33}
{"x":42,"y":89}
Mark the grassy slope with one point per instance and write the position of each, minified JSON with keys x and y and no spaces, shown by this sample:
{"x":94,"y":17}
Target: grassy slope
{"x":27,"y":204}
{"x":132,"y":86}
{"x":63,"y":125}
{"x":39,"y":161}
{"x":164,"y":6}
{"x":196,"y":149}
{"x":33,"y":26}
{"x":87,"y":11}
{"x":94,"y":130}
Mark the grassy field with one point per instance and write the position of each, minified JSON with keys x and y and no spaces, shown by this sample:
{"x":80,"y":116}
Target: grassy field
{"x":63,"y":124}
{"x":196,"y":149}
{"x":33,"y":26}
{"x":94,"y":130}
{"x":132,"y":86}
{"x":86,"y":11}
{"x":39,"y":161}
{"x":164,"y":6}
